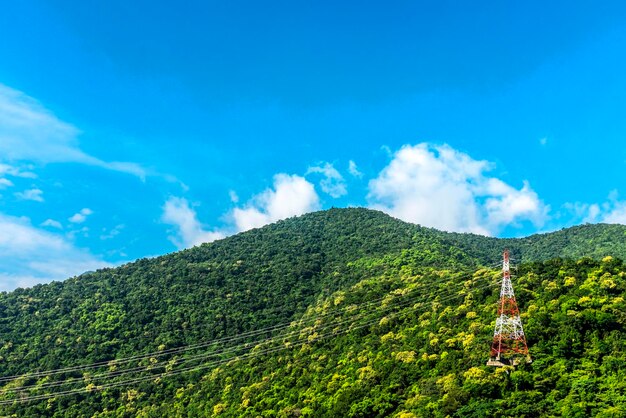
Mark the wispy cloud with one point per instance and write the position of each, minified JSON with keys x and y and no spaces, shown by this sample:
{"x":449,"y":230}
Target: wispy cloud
{"x":440,"y":187}
{"x":612,"y":211}
{"x":52,"y":224}
{"x":112,"y":233}
{"x":4,"y":183}
{"x":30,"y":194}
{"x":332,"y":182}
{"x":30,"y":132}
{"x":354,"y":170}
{"x":29,"y":255}
{"x":9,"y":170}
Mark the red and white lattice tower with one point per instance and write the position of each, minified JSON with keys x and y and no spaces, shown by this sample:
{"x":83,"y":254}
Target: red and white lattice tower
{"x":509,"y":341}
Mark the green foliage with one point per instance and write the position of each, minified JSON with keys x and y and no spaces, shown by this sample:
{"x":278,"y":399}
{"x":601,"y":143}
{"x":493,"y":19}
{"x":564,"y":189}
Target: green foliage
{"x":411,"y":309}
{"x":593,"y":241}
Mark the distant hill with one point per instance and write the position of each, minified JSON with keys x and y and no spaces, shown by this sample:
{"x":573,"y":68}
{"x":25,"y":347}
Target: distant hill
{"x":590,"y":240}
{"x":420,"y":305}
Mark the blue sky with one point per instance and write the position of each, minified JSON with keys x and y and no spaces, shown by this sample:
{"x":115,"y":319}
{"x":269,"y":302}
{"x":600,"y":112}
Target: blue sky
{"x":132,"y":129}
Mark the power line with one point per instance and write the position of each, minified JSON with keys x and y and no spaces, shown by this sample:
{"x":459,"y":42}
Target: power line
{"x":196,"y":368}
{"x":248,"y":355}
{"x":165,"y":364}
{"x":176,"y":350}
{"x":168,"y":363}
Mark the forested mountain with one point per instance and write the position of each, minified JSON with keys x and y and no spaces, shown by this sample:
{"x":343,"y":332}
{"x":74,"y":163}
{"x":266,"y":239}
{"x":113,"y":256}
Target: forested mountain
{"x":346,"y":312}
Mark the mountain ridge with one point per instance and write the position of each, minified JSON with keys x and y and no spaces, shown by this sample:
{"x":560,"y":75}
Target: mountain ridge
{"x":268,"y":276}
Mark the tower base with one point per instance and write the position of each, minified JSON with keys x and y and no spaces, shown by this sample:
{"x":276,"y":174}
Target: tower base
{"x":498,"y":363}
{"x":502,"y":362}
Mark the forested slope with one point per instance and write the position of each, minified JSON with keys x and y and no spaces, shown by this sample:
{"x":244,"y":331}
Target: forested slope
{"x":423,"y":349}
{"x":391,"y":318}
{"x":244,"y":282}
{"x":591,"y":240}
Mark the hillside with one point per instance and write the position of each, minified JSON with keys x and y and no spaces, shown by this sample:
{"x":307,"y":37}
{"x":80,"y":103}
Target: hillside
{"x":590,"y":240}
{"x":405,"y":356}
{"x":309,"y":269}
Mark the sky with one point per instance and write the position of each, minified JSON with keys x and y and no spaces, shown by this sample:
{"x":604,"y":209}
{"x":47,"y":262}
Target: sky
{"x":135,"y":129}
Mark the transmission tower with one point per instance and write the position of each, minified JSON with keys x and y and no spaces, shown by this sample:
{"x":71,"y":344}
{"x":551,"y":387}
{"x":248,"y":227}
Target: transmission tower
{"x":509,"y":342}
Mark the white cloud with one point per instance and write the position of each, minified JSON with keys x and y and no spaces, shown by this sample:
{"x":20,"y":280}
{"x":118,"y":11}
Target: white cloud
{"x":6,"y":169}
{"x":233,"y":196}
{"x":188,"y":230}
{"x":11,"y":171}
{"x":543,"y":141}
{"x":112,"y":233}
{"x":4,"y":183}
{"x":291,"y":195}
{"x":83,"y":232}
{"x":29,"y":255}
{"x":333,"y":182}
{"x":52,"y":223}
{"x":612,"y":211}
{"x":30,"y":132}
{"x":438,"y":186}
{"x":506,"y":205}
{"x":10,"y":282}
{"x":81,"y":216}
{"x":594,"y":213}
{"x":18,"y":237}
{"x":616,"y":215}
{"x":354,"y":170}
{"x":31,"y":194}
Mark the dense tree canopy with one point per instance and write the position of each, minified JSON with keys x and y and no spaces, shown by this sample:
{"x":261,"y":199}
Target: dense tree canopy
{"x":346,"y":312}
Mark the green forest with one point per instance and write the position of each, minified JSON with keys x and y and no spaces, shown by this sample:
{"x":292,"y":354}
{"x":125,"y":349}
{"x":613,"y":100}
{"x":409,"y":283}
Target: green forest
{"x":339,"y":313}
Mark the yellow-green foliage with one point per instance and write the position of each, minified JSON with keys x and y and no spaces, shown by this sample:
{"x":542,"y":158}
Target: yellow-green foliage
{"x":411,"y":309}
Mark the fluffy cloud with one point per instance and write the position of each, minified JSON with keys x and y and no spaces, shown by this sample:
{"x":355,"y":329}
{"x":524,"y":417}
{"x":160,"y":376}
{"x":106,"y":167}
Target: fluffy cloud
{"x":333,"y":182}
{"x":30,"y":132}
{"x":291,"y":195}
{"x":188,"y":230}
{"x":29,"y":255}
{"x":440,"y":187}
{"x":505,"y":205}
{"x":31,"y":194}
{"x":80,"y":217}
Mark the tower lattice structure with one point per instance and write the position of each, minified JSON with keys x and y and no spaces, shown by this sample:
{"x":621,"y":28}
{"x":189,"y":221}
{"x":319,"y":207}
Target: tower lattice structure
{"x":509,"y":341}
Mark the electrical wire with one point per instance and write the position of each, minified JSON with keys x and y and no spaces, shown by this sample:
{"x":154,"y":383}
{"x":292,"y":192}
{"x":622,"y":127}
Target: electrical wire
{"x":169,"y":363}
{"x":123,"y":360}
{"x":249,"y":355}
{"x":211,"y":364}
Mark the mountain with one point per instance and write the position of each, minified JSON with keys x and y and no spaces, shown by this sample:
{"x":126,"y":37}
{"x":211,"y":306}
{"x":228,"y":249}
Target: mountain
{"x":345,"y":312}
